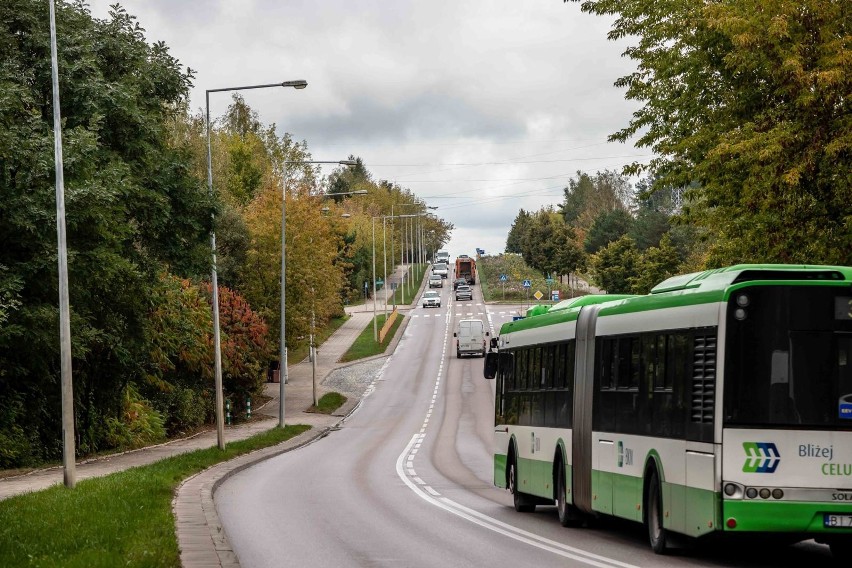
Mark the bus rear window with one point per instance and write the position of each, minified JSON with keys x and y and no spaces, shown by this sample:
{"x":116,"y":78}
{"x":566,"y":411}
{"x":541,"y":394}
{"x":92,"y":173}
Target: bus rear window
{"x":788,"y":359}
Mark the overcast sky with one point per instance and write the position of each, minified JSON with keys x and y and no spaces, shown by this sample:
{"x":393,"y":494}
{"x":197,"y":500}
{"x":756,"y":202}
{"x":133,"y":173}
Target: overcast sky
{"x":479,"y":107}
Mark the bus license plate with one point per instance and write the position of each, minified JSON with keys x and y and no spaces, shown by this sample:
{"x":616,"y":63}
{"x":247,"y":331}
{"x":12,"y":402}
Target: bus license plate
{"x":837,"y":521}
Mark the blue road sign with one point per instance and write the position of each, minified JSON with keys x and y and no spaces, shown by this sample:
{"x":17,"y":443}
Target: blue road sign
{"x":503,"y":278}
{"x":527,"y":284}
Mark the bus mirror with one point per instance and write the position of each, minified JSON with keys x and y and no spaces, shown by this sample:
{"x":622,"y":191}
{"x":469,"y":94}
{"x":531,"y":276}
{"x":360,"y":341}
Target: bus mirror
{"x":489,"y":370}
{"x":487,"y":334}
{"x":455,"y":334}
{"x":493,"y":343}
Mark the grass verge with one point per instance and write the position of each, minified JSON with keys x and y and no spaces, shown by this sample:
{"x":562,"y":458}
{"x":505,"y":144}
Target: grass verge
{"x":300,"y":352}
{"x":123,"y":519}
{"x":328,"y":403}
{"x":366,"y":346}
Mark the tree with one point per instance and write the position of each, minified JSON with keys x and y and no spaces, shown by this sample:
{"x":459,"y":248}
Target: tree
{"x":514,"y":242}
{"x":347,"y":179}
{"x":751,"y":100}
{"x":656,"y":264}
{"x":607,"y":227}
{"x":588,"y":197}
{"x":615,"y":265}
{"x":548,"y":244}
{"x":132,"y":208}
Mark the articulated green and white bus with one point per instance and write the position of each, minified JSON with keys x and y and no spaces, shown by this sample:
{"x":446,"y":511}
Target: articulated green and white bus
{"x":721,"y":402}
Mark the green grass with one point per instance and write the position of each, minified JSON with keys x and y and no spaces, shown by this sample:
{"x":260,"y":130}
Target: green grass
{"x":366,"y":346}
{"x":328,"y":403}
{"x":406,"y":294}
{"x":123,"y":519}
{"x":300,"y":352}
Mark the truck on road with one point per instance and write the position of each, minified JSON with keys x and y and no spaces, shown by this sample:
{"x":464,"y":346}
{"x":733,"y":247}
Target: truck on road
{"x":466,"y":268}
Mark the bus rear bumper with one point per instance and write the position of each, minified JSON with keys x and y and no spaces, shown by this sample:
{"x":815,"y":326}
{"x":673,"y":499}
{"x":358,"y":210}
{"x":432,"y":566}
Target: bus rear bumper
{"x":807,"y":518}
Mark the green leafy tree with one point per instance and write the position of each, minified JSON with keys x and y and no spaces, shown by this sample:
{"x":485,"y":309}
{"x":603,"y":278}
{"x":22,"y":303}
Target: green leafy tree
{"x":179,"y":379}
{"x":656,"y":264}
{"x":514,"y":242}
{"x":751,"y":100}
{"x":615,"y":265}
{"x":549,"y":246}
{"x":132,"y":208}
{"x":607,"y":227}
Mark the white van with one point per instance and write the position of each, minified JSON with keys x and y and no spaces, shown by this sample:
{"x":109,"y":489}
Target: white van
{"x":470,"y":338}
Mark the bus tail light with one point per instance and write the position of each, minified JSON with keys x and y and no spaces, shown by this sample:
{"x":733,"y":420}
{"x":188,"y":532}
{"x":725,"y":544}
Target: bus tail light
{"x":731,"y":523}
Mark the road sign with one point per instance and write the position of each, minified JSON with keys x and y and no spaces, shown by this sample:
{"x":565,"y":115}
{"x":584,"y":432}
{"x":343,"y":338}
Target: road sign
{"x":393,"y":285}
{"x":554,"y":295}
{"x":527,"y":284}
{"x":538,"y":295}
{"x":379,"y":281}
{"x":549,"y":279}
{"x":503,"y":278}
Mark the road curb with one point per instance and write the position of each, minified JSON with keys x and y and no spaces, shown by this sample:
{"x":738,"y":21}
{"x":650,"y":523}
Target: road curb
{"x":202,"y":539}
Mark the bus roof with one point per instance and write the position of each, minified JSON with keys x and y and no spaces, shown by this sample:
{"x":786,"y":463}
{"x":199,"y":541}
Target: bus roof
{"x":721,"y":278}
{"x":696,"y":288}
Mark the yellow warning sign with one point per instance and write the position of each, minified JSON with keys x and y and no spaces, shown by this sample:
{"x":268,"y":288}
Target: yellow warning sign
{"x":538,"y":295}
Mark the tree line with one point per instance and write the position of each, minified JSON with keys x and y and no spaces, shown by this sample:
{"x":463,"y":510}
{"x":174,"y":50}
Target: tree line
{"x":747,"y":107}
{"x":139,"y":218}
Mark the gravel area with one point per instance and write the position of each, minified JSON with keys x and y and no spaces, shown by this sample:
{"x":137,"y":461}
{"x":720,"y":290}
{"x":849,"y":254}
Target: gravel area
{"x":354,"y":379}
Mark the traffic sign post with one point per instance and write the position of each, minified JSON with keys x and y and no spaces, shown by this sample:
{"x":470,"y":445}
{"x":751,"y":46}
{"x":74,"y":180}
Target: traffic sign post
{"x":503,"y":279}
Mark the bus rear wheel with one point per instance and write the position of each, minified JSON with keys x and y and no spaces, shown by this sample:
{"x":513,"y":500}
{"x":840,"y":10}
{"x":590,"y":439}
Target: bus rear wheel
{"x":567,"y":514}
{"x":657,"y":535}
{"x":522,"y":502}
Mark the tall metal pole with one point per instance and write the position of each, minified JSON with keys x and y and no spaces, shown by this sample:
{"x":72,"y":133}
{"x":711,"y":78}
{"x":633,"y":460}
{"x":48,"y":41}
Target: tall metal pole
{"x":385,"y":257}
{"x":313,"y":351}
{"x":68,"y":449}
{"x":282,"y":347}
{"x":217,"y":347}
{"x":217,"y":344}
{"x":375,"y":323}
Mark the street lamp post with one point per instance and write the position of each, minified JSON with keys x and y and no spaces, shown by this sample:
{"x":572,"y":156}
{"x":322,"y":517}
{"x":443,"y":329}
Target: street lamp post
{"x":217,"y":347}
{"x":67,"y":391}
{"x":282,"y":348}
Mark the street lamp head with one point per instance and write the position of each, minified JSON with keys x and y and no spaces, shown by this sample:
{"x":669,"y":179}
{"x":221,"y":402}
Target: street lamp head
{"x":360,"y":192}
{"x":348,"y":163}
{"x":432,"y":207}
{"x":300,"y":84}
{"x":345,"y":215}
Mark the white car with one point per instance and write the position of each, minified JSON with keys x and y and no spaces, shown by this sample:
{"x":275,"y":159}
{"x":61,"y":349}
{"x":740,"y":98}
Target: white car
{"x":436,"y":281}
{"x":431,"y":299}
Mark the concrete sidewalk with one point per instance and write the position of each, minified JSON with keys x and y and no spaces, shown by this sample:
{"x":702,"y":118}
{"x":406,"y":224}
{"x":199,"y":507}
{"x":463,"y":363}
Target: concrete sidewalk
{"x":200,"y":536}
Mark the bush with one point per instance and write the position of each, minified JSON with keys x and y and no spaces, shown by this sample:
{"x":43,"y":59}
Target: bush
{"x":15,"y":448}
{"x":138,"y":425}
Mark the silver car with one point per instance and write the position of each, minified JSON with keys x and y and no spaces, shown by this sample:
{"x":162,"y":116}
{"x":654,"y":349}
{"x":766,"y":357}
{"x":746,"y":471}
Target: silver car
{"x":463,"y":292}
{"x":435,"y":281}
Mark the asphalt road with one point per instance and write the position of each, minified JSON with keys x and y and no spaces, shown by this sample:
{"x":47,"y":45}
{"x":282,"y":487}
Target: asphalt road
{"x":407,"y":482}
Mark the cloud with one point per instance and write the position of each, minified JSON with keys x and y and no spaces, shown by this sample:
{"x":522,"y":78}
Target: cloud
{"x":482,"y":107}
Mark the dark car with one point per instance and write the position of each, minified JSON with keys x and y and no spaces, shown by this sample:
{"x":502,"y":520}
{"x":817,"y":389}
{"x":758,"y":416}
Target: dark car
{"x":459,"y":282}
{"x":463,"y":292}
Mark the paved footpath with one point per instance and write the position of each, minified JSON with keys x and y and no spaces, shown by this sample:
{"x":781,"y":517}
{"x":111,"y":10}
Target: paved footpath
{"x":200,"y":535}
